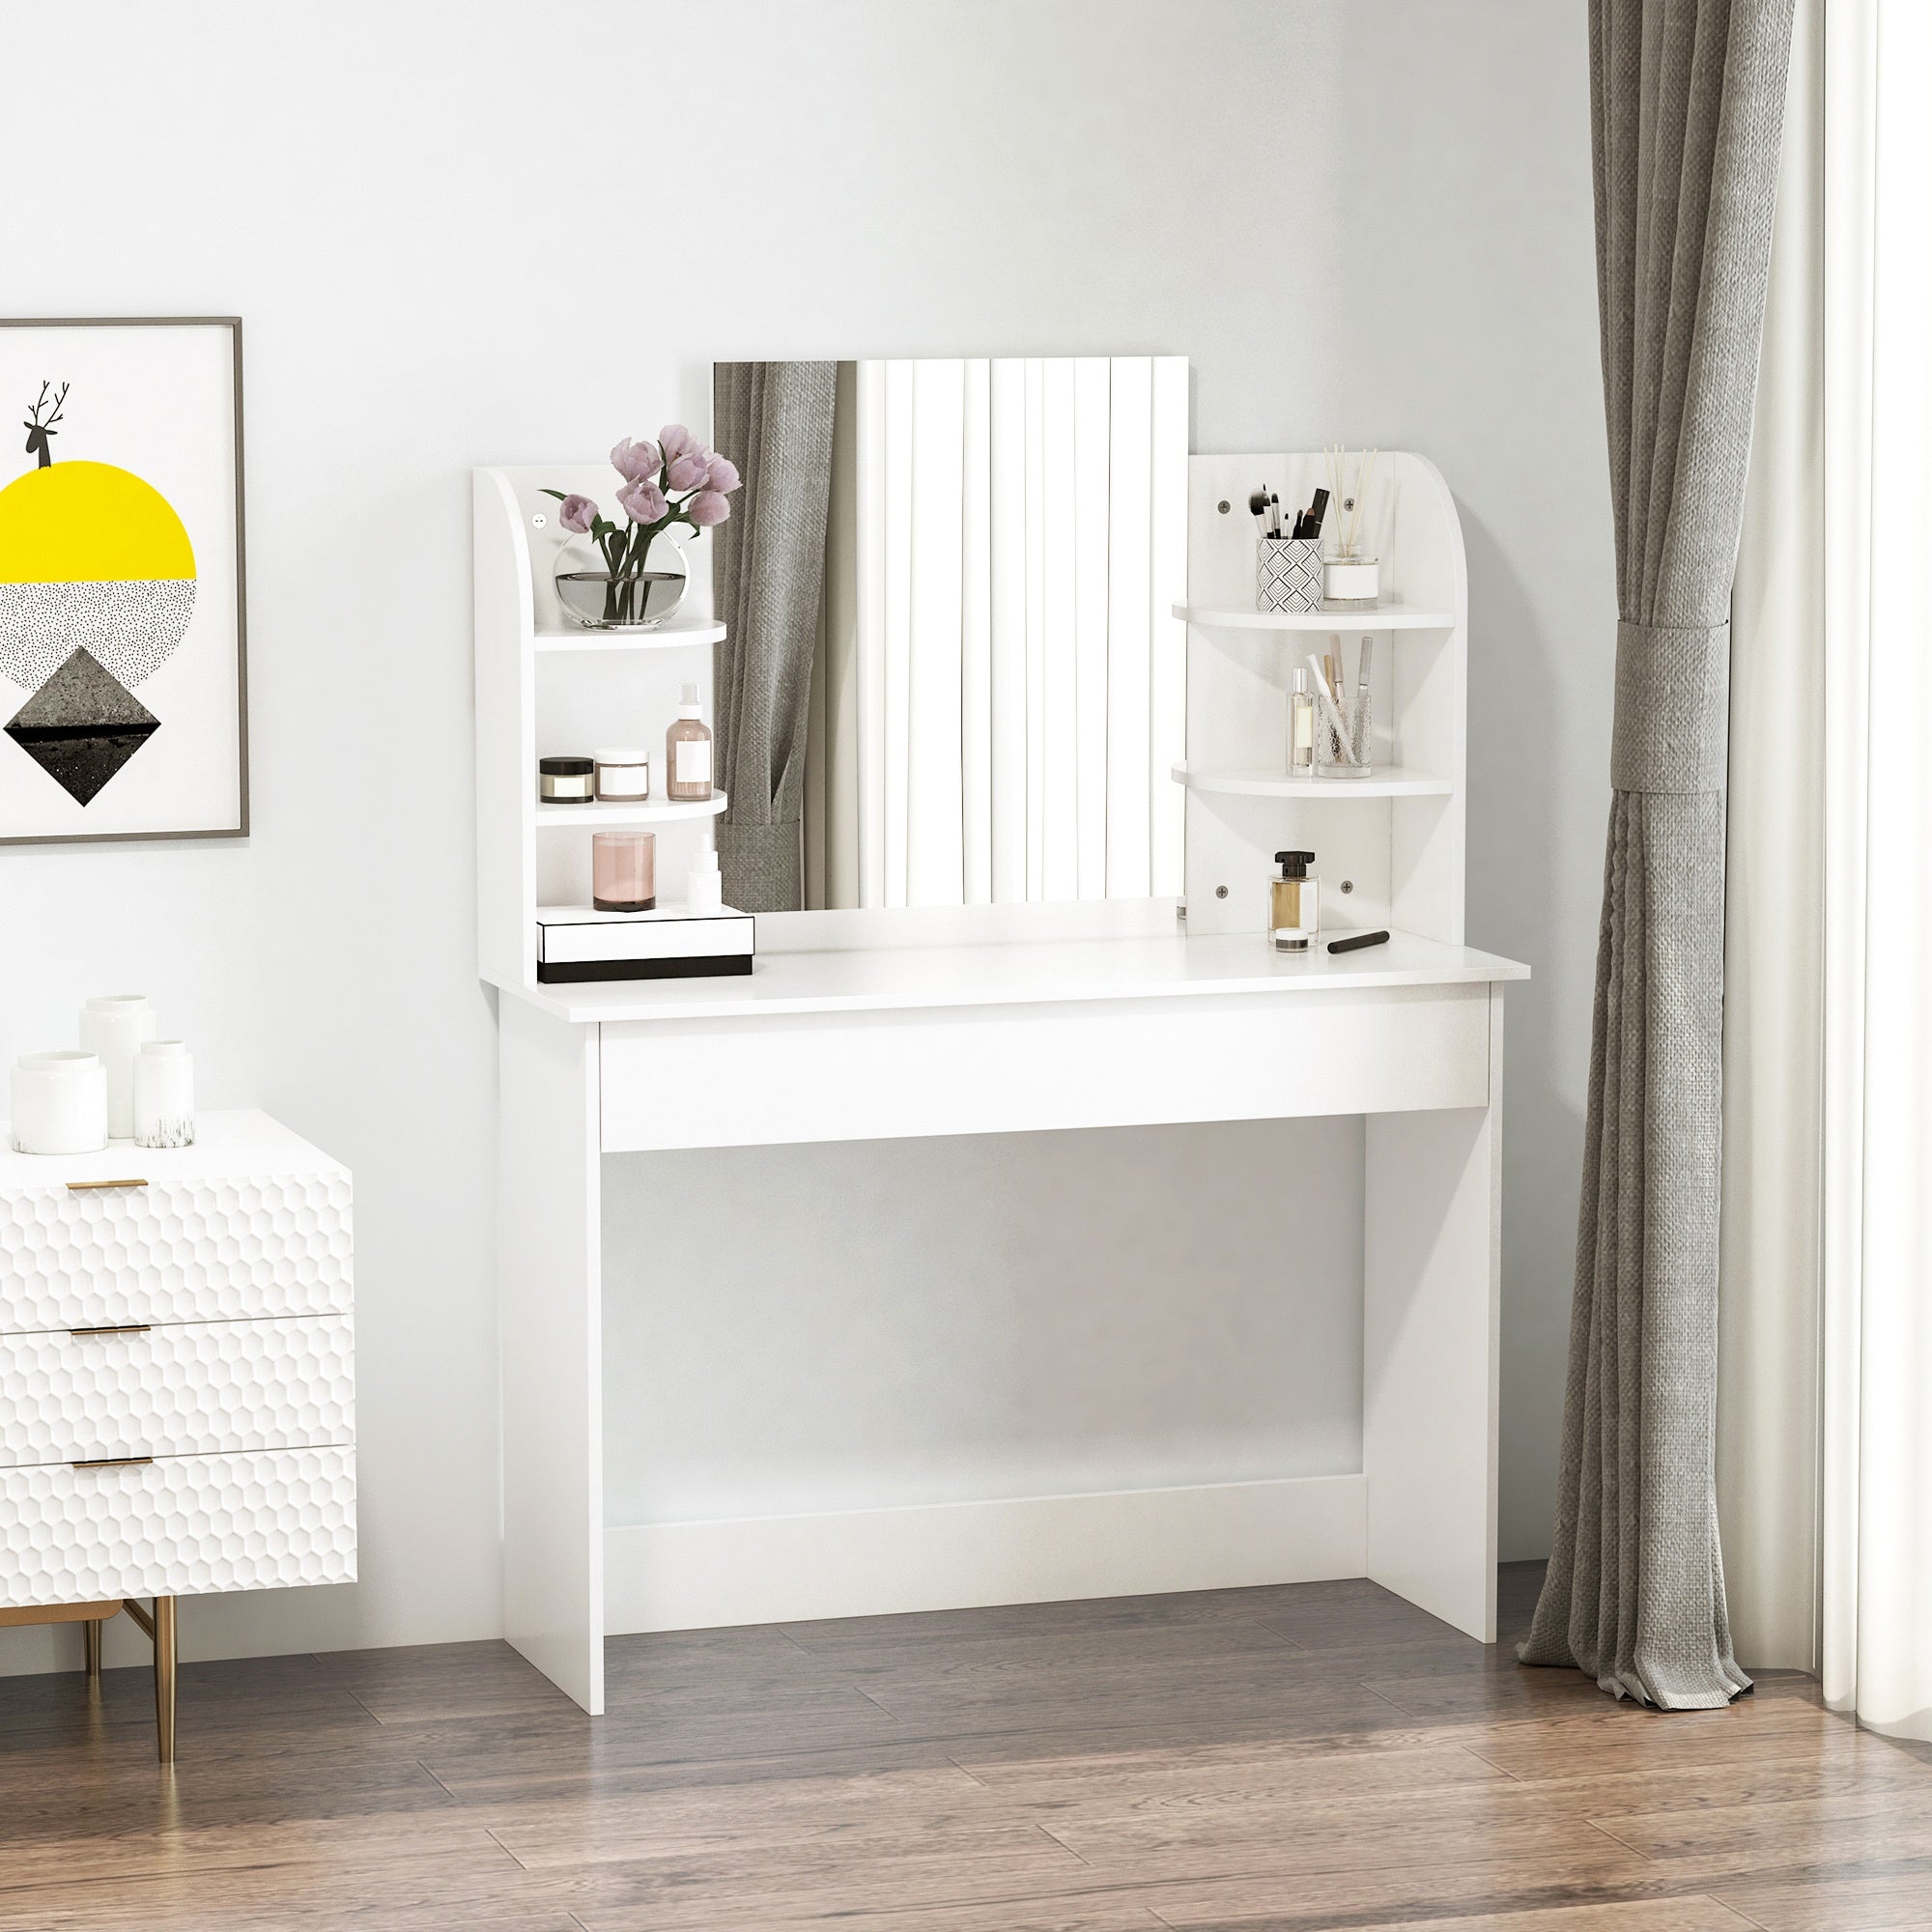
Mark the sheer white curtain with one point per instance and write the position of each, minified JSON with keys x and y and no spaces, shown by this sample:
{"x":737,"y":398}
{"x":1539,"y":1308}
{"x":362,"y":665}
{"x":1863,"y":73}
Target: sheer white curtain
{"x":1003,"y":683}
{"x":1768,"y":1357}
{"x":1877,"y":1485}
{"x":1829,"y":1097}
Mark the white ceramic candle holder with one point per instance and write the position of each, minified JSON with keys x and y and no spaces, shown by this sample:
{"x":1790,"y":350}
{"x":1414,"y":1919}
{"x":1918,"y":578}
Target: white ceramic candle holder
{"x":164,"y":1094}
{"x":59,"y":1103}
{"x":114,"y":1026}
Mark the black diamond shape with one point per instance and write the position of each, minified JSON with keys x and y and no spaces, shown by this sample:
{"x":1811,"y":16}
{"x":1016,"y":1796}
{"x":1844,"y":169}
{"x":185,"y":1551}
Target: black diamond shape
{"x":82,"y":726}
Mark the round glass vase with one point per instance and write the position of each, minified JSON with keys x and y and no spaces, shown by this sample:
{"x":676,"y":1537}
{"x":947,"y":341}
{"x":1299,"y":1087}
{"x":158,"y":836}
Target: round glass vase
{"x":636,"y":599}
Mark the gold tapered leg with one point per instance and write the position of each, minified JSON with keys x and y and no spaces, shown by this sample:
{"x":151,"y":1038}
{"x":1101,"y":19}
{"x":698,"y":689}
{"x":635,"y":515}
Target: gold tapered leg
{"x":91,"y":1646}
{"x":164,"y":1676}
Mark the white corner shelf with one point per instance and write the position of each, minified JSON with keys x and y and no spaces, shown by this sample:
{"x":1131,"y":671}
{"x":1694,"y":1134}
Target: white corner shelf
{"x":1386,"y":782}
{"x":1405,"y":861}
{"x":614,"y":815}
{"x":675,"y":634}
{"x":1353,"y":618}
{"x":545,"y":684}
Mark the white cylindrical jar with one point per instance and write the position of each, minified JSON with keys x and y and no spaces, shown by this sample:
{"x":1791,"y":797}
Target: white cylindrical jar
{"x":623,"y":774}
{"x":114,"y":1026}
{"x":164,"y":1094}
{"x":59,"y":1103}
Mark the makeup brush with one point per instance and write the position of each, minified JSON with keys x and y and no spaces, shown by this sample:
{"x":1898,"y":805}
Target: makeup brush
{"x":1257,"y":508}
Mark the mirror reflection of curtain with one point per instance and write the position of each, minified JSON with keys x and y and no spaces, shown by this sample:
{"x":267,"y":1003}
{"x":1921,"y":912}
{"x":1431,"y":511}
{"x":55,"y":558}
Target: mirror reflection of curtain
{"x":774,"y":420}
{"x":1001,"y":688}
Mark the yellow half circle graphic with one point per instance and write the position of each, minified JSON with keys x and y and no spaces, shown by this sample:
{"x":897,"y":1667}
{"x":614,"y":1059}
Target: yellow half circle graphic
{"x":83,"y":522}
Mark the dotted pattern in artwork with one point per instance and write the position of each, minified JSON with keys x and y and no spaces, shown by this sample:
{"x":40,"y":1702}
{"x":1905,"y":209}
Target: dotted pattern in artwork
{"x":177,"y":1528}
{"x":176,"y":1251}
{"x":131,"y":625}
{"x":195,"y":1388}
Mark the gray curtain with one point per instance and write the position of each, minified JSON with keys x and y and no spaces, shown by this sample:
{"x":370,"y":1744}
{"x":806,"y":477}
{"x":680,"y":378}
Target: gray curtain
{"x":774,"y":420}
{"x":1687,"y":106}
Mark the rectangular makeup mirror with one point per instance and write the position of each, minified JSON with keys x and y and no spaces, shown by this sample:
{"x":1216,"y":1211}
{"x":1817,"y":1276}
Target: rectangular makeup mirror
{"x":951,"y":673}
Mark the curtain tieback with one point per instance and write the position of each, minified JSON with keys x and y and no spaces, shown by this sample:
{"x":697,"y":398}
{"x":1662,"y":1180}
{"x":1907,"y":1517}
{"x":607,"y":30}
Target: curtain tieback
{"x":1672,"y":730}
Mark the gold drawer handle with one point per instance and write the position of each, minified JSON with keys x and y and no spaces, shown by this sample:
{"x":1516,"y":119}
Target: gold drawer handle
{"x":89,"y":1186}
{"x":114,"y":1328}
{"x":113,"y":1463}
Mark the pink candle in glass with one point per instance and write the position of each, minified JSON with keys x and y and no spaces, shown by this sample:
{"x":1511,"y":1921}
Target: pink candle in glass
{"x":623,"y":870}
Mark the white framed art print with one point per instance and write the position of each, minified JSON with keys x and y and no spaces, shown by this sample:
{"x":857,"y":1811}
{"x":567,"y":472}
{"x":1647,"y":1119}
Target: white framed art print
{"x":123,"y":633}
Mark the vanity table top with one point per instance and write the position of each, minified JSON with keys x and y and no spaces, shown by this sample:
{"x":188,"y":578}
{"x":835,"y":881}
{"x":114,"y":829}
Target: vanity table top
{"x":1023,"y":972}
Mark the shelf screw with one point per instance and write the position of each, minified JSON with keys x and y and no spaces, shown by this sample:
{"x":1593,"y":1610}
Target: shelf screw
{"x":1222,"y":506}
{"x":1347,"y":885}
{"x":1220,"y":892}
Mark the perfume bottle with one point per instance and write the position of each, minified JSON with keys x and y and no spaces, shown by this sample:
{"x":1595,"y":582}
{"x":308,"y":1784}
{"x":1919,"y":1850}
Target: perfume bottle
{"x":1293,"y":912}
{"x":705,"y":891}
{"x":687,"y":752}
{"x":1301,"y":728}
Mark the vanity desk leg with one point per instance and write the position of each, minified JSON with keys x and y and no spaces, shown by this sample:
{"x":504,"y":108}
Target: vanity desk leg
{"x":91,"y":1643}
{"x":1432,"y":1351}
{"x":550,"y":1246}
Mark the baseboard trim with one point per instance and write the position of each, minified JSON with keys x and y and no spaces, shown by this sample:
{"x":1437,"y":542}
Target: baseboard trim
{"x":948,"y":1556}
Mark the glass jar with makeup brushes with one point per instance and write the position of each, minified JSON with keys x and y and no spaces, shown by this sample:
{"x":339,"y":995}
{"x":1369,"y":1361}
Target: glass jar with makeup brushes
{"x":1346,"y":715}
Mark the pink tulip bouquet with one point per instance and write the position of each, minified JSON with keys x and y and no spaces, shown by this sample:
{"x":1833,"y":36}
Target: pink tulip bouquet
{"x":673,"y":481}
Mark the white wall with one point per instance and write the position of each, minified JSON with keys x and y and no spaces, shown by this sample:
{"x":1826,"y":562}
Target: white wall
{"x":1010,"y":1314}
{"x":487,"y":231}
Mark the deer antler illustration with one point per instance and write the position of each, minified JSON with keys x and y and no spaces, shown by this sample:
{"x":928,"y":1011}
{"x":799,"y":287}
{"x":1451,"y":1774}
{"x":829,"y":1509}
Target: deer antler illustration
{"x":39,"y":432}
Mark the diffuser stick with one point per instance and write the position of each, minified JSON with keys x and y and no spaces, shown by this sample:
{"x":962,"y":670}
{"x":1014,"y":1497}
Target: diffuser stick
{"x":1364,"y":476}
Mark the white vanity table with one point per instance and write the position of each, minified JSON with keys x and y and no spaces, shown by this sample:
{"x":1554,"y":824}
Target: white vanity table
{"x":861,"y":1026}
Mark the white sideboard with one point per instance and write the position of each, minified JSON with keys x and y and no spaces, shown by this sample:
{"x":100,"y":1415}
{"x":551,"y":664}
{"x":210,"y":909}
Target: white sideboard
{"x":176,"y":1377}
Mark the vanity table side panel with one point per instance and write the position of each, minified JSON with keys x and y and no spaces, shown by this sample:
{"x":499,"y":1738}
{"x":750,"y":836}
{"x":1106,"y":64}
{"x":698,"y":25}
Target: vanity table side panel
{"x":1021,"y":1069}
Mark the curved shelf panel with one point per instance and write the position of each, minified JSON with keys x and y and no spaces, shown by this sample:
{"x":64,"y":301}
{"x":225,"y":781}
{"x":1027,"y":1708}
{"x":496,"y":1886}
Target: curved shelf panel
{"x":616,"y":817}
{"x":679,"y":633}
{"x":1333,"y":617}
{"x":1388,"y":782}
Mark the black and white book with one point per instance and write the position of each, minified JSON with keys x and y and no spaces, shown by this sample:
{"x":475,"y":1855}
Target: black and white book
{"x":671,"y":942}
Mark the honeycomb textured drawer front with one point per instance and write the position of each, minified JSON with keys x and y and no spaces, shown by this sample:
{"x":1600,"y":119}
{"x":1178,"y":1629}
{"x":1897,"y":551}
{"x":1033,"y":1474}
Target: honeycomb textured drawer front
{"x":192,"y":1388}
{"x":180,"y":1528}
{"x":185,"y":1249}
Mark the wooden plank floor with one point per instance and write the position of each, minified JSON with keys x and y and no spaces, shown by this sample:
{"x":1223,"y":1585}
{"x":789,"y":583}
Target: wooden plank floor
{"x":1308,"y":1758}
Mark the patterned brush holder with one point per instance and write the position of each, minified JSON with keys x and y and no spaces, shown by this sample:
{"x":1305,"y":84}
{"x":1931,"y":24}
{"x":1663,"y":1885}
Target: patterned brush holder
{"x":1287,"y":573}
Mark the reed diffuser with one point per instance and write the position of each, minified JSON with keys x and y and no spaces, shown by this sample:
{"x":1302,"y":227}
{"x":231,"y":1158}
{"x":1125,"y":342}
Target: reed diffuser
{"x":1348,"y":574}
